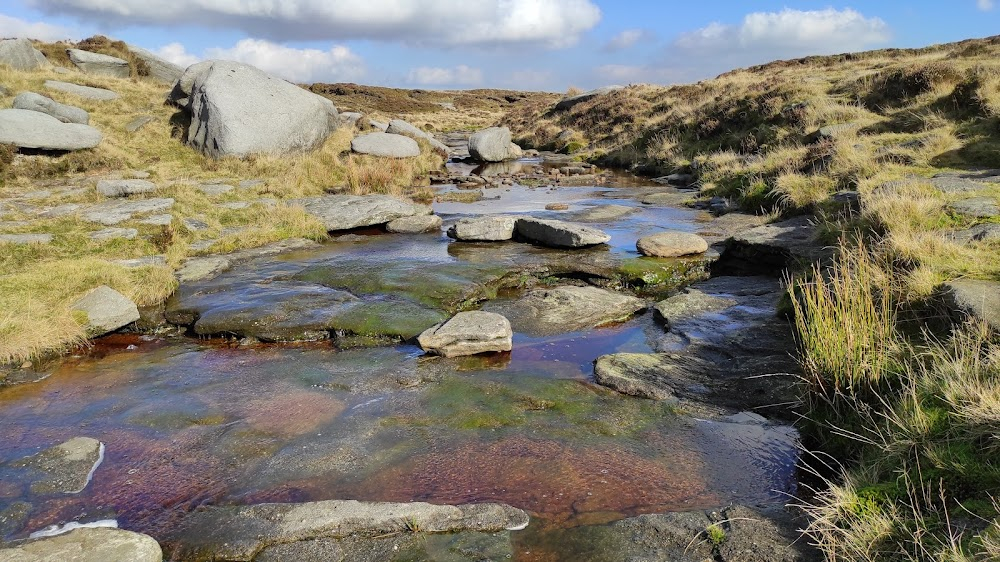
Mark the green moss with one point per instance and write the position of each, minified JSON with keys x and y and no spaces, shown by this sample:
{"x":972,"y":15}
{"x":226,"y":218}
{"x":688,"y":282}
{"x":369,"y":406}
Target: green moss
{"x":660,"y":275}
{"x":396,"y":317}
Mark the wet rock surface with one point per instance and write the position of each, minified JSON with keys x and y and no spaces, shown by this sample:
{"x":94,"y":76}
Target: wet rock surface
{"x":559,"y":234}
{"x":484,"y":229}
{"x":468,"y":333}
{"x":671,"y":244}
{"x":567,"y":309}
{"x":63,"y":469}
{"x":86,"y":545}
{"x":242,"y":533}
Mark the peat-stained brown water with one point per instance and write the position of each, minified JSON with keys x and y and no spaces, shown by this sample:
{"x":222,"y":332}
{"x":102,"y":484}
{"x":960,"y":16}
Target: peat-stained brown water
{"x":189,"y":423}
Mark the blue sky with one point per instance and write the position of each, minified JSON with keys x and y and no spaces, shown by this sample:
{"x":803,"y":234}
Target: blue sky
{"x":521,"y":44}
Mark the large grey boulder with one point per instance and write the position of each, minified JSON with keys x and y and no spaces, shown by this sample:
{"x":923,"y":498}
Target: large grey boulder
{"x":344,"y":212}
{"x":239,"y":110}
{"x":86,"y":92}
{"x":63,"y":469}
{"x":20,"y":54}
{"x":569,"y":101}
{"x":560,"y":234}
{"x":400,"y":127}
{"x":468,"y":333}
{"x":484,"y":229}
{"x":106,"y":310}
{"x":240,"y":533}
{"x":98,"y":64}
{"x":386,"y":145}
{"x":671,"y":244}
{"x":159,"y":68}
{"x":974,"y":298}
{"x":124,"y":188}
{"x":493,"y":145}
{"x":567,"y":309}
{"x":86,"y":545}
{"x":30,"y":129}
{"x":37,"y":102}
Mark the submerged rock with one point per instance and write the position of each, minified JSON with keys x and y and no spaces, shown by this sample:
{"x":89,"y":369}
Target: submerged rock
{"x":560,"y":234}
{"x":647,"y":375}
{"x":671,"y":244}
{"x":242,"y":533}
{"x":468,"y":333}
{"x":567,"y":309}
{"x":106,"y":310}
{"x":86,"y":545}
{"x":65,"y":468}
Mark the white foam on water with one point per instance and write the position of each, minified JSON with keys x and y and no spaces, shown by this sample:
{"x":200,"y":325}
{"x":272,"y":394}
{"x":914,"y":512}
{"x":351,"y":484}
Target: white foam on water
{"x":93,"y":469}
{"x":54,"y":530}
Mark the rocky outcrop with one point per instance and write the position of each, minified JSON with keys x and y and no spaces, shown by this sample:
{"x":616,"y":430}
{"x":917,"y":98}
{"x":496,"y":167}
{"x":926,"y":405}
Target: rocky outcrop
{"x":560,"y":234}
{"x":344,"y":212}
{"x":20,"y":54}
{"x":63,"y":469}
{"x":974,"y":298}
{"x":567,"y":309}
{"x":238,"y":110}
{"x":400,"y":127}
{"x":493,"y":145}
{"x":242,"y":533}
{"x":37,"y":102}
{"x":468,"y":333}
{"x":86,"y":92}
{"x":159,"y":68}
{"x":106,"y":310}
{"x":569,"y":101}
{"x":386,"y":145}
{"x":98,"y":64}
{"x":124,"y":188}
{"x":86,"y":545}
{"x":484,"y":229}
{"x":671,"y":244}
{"x":30,"y":129}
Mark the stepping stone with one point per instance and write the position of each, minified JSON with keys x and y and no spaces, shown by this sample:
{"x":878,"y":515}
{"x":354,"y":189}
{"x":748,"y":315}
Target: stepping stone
{"x":99,"y":94}
{"x":415,"y":225}
{"x":484,"y":229}
{"x":112,"y":233}
{"x":24,"y":239}
{"x":468,"y":333}
{"x":644,"y":375}
{"x":560,"y":234}
{"x":106,"y":310}
{"x":976,"y":207}
{"x":671,"y":244}
{"x":567,"y":309}
{"x":604,"y":213}
{"x":124,"y":188}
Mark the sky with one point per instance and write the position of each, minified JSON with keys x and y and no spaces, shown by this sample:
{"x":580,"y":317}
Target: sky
{"x":549,"y":45}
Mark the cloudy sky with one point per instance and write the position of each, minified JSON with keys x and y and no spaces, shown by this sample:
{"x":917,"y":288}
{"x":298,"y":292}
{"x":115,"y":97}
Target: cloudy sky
{"x":521,"y":44}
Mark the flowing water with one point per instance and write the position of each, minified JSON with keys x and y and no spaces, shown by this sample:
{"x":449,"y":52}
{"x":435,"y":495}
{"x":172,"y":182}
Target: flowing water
{"x":189,"y":422}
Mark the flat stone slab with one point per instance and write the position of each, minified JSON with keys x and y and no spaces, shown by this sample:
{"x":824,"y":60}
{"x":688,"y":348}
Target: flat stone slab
{"x":31,"y":129}
{"x":215,"y":189}
{"x":106,"y":310}
{"x":344,"y":212}
{"x":976,"y":207}
{"x":124,"y":188}
{"x":113,"y":233}
{"x":415,"y":225}
{"x":956,"y":184}
{"x":603,"y":213}
{"x":26,"y":238}
{"x":65,"y":468}
{"x":113,"y":212}
{"x":978,"y":233}
{"x":567,"y":309}
{"x":484,"y":229}
{"x":241,"y":533}
{"x":37,"y":102}
{"x":691,"y":303}
{"x":468,"y":333}
{"x":86,"y":545}
{"x":560,"y":234}
{"x":975,"y":298}
{"x":671,"y":244}
{"x":99,"y":94}
{"x":645,"y":375}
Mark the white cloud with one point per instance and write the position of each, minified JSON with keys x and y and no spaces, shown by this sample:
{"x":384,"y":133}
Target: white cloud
{"x":177,"y":54}
{"x":338,"y":64}
{"x":788,"y":33}
{"x":460,"y":75}
{"x":11,"y":27}
{"x":553,"y":23}
{"x":985,"y":5}
{"x":634,"y":74}
{"x":626,"y":39}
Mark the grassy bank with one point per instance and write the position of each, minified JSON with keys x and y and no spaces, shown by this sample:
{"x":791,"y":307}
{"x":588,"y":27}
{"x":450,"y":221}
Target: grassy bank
{"x":38,"y":283}
{"x":903,"y":406}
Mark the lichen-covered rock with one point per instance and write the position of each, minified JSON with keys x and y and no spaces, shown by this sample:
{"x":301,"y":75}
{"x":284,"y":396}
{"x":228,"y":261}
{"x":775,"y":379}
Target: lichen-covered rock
{"x":567,"y":309}
{"x":415,"y":224}
{"x":159,"y":68}
{"x":65,"y":468}
{"x":124,"y":188}
{"x":671,"y":244}
{"x":400,"y":127}
{"x":468,"y":333}
{"x":20,"y":54}
{"x":86,"y":92}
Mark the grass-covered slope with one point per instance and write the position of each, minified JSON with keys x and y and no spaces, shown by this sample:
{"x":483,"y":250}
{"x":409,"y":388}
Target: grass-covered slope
{"x":903,"y":407}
